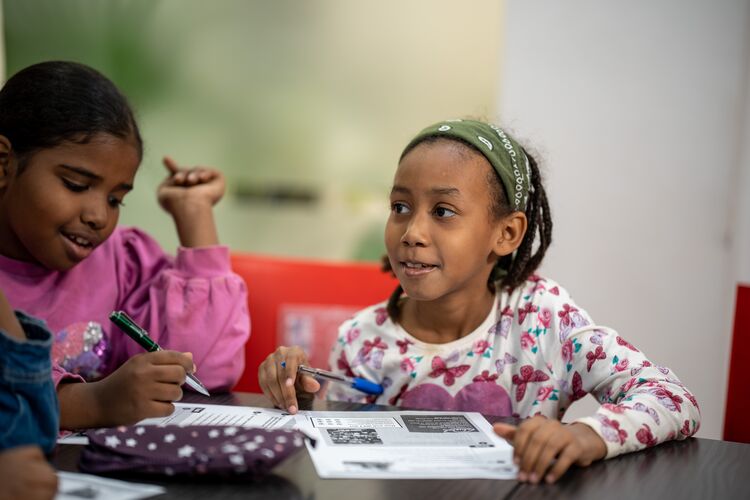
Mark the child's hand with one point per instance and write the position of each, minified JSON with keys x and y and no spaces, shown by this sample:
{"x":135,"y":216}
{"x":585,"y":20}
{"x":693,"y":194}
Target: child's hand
{"x":189,"y":195}
{"x":546,"y":448}
{"x":201,"y":186}
{"x":25,"y":473}
{"x":143,"y":387}
{"x":279,"y":380}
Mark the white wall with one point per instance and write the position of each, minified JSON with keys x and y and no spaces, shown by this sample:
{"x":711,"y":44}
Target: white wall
{"x":639,"y":111}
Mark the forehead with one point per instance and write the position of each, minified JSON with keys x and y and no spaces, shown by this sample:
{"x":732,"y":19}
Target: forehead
{"x":444,"y":164}
{"x":111,"y":158}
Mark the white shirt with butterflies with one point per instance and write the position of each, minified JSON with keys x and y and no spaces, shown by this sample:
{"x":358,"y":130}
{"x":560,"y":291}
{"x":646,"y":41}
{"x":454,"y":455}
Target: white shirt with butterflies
{"x":534,"y":354}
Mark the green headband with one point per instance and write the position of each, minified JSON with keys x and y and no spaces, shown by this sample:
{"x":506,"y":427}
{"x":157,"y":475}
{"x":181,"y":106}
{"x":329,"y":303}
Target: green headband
{"x":505,"y":155}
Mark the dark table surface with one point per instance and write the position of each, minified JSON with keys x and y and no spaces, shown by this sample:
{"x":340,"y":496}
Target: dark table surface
{"x":695,"y":468}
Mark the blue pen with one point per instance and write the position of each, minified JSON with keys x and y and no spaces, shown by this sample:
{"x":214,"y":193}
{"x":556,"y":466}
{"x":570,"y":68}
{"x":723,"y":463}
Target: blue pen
{"x":358,"y":383}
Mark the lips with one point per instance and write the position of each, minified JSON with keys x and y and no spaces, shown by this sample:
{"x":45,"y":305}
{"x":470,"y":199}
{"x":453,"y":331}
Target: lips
{"x":78,"y":245}
{"x":416,"y":268}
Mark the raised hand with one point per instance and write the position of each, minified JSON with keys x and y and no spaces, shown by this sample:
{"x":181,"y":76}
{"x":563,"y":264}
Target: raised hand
{"x":279,"y":380}
{"x":545,"y":448}
{"x":189,"y":195}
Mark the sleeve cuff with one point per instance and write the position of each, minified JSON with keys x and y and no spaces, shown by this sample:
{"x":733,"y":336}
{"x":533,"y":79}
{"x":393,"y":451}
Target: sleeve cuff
{"x":613,"y":449}
{"x":204,"y":262}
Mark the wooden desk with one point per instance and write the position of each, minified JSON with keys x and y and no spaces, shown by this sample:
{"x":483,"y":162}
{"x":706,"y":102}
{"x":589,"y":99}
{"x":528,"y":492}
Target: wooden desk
{"x":696,"y":468}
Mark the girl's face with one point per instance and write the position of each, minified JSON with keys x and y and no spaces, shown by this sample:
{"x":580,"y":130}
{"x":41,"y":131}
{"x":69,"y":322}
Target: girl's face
{"x":440,"y":236}
{"x":66,"y":201}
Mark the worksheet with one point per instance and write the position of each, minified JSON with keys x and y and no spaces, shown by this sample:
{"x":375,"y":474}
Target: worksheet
{"x":406,"y":445}
{"x":208,"y":414}
{"x":237,"y":416}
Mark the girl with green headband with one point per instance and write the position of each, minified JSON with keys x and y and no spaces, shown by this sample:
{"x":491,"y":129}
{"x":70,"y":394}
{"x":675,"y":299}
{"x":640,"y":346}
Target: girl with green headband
{"x":472,"y":328}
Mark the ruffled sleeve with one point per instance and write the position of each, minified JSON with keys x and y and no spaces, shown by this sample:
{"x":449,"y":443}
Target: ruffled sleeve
{"x":192,"y":303}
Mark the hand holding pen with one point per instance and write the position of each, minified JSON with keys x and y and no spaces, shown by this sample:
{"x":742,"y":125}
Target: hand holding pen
{"x":285,"y":374}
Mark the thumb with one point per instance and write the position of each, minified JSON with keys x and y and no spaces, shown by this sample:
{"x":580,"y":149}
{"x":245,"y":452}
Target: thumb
{"x":505,"y":431}
{"x":309,"y":384}
{"x":171,"y":165}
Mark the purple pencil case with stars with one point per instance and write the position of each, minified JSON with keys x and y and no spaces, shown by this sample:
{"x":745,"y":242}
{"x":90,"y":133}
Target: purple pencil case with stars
{"x":189,"y":450}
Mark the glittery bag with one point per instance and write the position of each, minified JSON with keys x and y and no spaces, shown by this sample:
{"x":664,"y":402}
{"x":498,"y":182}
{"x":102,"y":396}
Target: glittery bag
{"x":193,"y":450}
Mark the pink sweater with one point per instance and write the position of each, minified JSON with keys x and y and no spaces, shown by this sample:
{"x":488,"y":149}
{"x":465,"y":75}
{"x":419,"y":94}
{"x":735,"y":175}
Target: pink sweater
{"x":191,"y":303}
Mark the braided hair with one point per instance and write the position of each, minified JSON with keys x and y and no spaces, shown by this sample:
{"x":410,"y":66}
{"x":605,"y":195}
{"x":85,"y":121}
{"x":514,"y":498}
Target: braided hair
{"x":513,"y":269}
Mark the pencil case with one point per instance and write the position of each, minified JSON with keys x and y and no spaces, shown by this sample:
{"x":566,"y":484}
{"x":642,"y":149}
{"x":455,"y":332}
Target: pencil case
{"x":190,"y":450}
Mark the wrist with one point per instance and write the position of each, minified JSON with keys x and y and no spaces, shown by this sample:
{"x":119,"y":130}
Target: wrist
{"x":195,"y":224}
{"x":80,"y":407}
{"x":596,"y":448}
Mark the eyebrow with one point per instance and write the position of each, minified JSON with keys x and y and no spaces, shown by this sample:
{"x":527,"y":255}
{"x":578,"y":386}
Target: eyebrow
{"x":91,"y":175}
{"x":440,"y":190}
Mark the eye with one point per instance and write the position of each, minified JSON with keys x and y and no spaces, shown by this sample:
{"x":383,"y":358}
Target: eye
{"x":399,"y":208}
{"x":115,"y":202}
{"x":74,"y":186}
{"x":444,"y":213}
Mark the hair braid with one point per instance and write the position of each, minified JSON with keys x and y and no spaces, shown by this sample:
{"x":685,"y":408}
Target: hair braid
{"x":524,"y":263}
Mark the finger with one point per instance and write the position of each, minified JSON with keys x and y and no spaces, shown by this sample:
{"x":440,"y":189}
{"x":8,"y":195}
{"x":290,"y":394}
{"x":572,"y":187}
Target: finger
{"x":272,"y":383}
{"x":309,"y":384}
{"x":171,"y":165}
{"x":172,"y":358}
{"x":563,"y":463}
{"x":505,"y":431}
{"x":523,"y":433}
{"x":535,"y":446}
{"x":160,"y":409}
{"x":166,"y":393}
{"x":288,"y":361}
{"x":169,"y":374}
{"x":546,"y":458}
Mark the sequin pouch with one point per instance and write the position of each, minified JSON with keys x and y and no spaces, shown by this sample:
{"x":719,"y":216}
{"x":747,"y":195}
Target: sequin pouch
{"x":189,"y":450}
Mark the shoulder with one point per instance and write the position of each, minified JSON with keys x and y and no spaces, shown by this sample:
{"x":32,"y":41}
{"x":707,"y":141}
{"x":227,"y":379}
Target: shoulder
{"x":538,"y":291}
{"x":542,"y":304}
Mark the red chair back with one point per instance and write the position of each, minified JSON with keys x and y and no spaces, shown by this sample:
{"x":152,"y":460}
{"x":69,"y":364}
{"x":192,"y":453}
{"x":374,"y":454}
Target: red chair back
{"x":737,"y":416}
{"x":302,"y":302}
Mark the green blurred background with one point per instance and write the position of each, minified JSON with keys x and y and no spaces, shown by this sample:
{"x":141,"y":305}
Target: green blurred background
{"x":305,"y":105}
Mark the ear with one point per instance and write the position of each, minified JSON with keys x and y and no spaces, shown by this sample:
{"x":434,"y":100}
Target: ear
{"x":510,"y":232}
{"x":6,"y":169}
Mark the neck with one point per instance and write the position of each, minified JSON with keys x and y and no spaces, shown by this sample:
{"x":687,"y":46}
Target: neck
{"x":448,"y":318}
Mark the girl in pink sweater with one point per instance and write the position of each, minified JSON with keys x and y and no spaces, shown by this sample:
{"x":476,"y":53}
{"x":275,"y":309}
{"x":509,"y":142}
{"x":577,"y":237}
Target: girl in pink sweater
{"x":69,"y":152}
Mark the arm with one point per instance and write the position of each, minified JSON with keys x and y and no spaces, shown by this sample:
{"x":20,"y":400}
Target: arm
{"x":28,"y":406}
{"x":584,"y":359}
{"x":642,"y":404}
{"x":8,"y":321}
{"x":193,"y":303}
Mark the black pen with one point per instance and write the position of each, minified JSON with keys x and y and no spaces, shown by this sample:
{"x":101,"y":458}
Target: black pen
{"x":135,"y":332}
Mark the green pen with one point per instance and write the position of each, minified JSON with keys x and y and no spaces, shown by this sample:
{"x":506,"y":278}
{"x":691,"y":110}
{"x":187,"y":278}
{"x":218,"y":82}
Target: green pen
{"x":135,"y":332}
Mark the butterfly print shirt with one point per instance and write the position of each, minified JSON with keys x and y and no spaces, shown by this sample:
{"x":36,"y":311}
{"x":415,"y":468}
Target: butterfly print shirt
{"x":534,"y":354}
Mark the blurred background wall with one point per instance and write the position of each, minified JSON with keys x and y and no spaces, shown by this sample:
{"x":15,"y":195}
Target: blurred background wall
{"x":639,"y":112}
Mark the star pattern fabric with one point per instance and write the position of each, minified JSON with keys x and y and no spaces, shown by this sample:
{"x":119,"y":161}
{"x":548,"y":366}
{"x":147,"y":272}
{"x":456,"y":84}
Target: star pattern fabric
{"x":200,"y":450}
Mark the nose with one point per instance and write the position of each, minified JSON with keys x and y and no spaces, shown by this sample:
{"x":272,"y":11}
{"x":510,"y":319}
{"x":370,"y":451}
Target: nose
{"x":95,"y":213}
{"x":415,"y":234}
